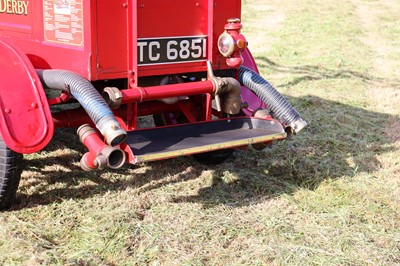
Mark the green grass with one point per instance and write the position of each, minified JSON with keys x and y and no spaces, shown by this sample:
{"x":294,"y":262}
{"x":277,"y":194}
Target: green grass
{"x":330,"y":196}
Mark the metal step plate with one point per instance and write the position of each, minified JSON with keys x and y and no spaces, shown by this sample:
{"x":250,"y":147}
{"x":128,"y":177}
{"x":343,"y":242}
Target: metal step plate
{"x":167,"y":142}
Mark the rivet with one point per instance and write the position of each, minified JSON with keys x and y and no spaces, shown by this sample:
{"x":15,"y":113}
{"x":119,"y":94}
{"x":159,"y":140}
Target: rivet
{"x":7,"y":111}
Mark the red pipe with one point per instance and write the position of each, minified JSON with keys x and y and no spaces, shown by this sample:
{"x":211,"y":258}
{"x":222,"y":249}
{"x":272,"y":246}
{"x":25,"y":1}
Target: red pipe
{"x":140,"y":94}
{"x":100,"y":154}
{"x":77,"y":117}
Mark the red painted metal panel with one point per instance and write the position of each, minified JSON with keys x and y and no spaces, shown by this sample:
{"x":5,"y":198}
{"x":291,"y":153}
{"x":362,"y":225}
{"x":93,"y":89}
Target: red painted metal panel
{"x":26,"y":124}
{"x":112,"y":45}
{"x":157,"y":18}
{"x":176,"y":19}
{"x":53,"y":36}
{"x":15,"y":17}
{"x":92,"y":38}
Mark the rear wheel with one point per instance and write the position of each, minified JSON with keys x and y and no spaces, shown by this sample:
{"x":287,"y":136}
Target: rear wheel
{"x":214,"y":157}
{"x":10,"y":174}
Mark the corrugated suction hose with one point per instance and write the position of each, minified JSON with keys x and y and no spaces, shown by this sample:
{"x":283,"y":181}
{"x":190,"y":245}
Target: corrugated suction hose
{"x":272,"y":98}
{"x":90,"y":99}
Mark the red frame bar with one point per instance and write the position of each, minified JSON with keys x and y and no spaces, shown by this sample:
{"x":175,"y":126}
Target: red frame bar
{"x":78,"y":117}
{"x":140,"y":94}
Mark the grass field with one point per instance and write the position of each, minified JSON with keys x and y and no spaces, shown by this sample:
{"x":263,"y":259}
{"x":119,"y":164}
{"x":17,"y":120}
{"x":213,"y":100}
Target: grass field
{"x":330,"y":196}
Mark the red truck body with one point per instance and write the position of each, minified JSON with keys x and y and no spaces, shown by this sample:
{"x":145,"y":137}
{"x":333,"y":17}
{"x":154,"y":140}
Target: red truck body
{"x":184,"y":62}
{"x":98,"y":39}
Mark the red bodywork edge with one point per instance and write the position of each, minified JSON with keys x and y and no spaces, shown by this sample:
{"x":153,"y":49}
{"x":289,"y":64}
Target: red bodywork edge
{"x":26,"y":124}
{"x":248,"y":96}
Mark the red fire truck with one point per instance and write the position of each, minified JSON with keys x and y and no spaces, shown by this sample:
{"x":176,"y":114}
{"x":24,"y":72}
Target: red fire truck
{"x":99,"y":65}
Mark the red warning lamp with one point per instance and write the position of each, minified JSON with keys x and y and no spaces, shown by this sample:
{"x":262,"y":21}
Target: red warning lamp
{"x":231,"y":43}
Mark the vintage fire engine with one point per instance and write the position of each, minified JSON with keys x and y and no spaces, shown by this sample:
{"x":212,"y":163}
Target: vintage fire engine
{"x":99,"y":65}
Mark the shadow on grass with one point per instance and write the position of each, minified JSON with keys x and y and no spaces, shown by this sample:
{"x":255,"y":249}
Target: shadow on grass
{"x":341,"y":140}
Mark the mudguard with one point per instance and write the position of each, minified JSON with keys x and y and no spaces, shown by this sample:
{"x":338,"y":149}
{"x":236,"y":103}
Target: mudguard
{"x":26,"y":123}
{"x":248,"y":96}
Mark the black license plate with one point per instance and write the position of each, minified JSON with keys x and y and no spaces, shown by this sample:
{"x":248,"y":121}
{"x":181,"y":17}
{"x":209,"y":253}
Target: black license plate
{"x":172,"y":50}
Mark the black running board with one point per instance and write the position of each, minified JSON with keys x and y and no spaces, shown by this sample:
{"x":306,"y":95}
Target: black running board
{"x":167,"y":142}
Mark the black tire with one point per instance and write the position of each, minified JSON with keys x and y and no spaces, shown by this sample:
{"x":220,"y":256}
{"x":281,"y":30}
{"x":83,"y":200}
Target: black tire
{"x":212,"y":157}
{"x":10,"y":175}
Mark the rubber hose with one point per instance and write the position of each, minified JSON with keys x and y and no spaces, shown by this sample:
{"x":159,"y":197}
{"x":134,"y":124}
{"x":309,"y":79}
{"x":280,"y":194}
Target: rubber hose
{"x":87,"y":95}
{"x":271,"y":97}
{"x":82,"y":90}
